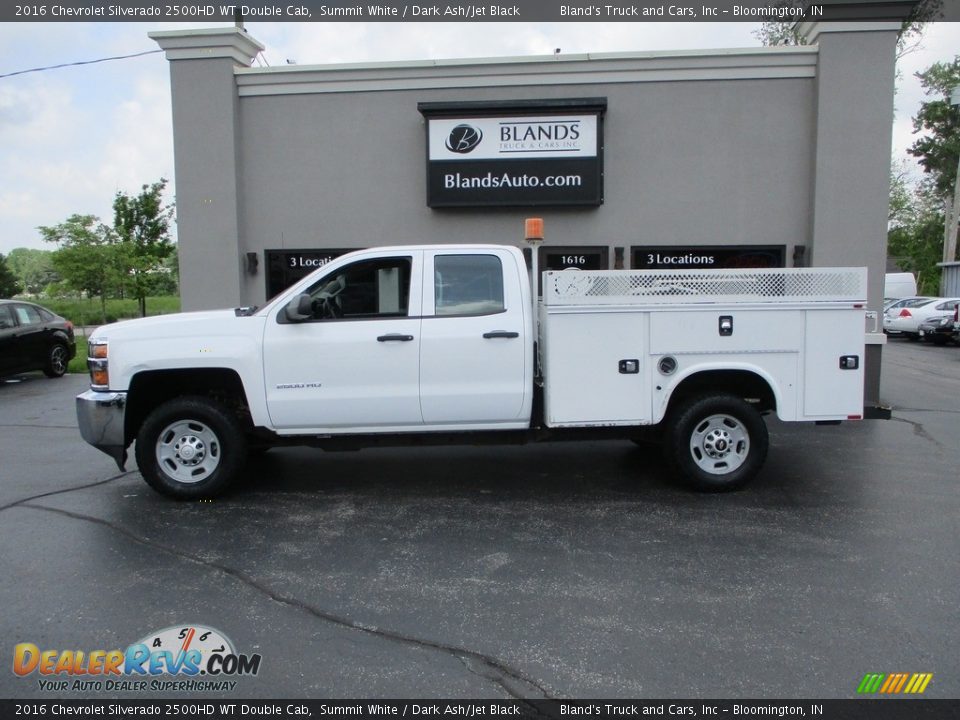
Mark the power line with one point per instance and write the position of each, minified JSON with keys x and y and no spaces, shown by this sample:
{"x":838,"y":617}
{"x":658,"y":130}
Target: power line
{"x":80,"y":62}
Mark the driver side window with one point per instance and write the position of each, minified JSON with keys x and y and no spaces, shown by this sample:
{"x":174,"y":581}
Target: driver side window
{"x":366,"y":289}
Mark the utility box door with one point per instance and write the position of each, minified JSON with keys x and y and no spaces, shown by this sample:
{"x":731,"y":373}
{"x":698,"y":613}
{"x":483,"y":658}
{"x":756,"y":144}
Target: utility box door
{"x":830,"y":390}
{"x":595,"y":368}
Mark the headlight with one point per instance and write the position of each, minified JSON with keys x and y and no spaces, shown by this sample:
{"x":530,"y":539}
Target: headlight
{"x":98,"y":365}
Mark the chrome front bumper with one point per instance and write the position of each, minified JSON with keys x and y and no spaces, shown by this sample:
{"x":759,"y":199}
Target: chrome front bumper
{"x":100,"y":416}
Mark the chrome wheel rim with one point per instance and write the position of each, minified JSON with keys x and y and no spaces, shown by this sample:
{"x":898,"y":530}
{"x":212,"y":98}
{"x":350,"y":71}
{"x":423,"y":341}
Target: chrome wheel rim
{"x":719,"y":444}
{"x":188,"y":451}
{"x":58,"y":359}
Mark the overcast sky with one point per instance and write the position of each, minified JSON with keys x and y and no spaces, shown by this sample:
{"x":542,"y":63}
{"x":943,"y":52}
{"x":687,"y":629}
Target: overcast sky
{"x":70,"y":138}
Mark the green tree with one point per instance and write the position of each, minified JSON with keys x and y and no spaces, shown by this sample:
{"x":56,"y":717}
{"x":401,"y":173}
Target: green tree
{"x":901,"y":195}
{"x":911,"y":31}
{"x":142,"y":225}
{"x":939,"y":148}
{"x":166,"y":281}
{"x":87,"y":256}
{"x":8,"y":281}
{"x":776,"y":33}
{"x":33,"y":268}
{"x":915,"y":236}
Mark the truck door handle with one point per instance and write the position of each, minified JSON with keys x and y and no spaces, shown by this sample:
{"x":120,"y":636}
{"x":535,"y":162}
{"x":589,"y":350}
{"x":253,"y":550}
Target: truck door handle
{"x":395,"y":337}
{"x":500,"y":334}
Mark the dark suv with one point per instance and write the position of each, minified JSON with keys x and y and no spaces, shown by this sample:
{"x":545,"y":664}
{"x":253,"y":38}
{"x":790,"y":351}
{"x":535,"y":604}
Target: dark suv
{"x":33,"y":338}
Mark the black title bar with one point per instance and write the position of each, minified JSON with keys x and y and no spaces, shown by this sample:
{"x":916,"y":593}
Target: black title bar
{"x":467,"y":10}
{"x":872,"y":709}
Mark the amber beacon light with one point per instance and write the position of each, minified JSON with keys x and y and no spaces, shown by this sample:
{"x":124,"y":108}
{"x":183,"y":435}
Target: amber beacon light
{"x":533,"y":229}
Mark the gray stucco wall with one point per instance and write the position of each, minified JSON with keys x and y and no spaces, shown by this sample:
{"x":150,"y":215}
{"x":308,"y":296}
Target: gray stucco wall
{"x":768,"y":146}
{"x":714,"y":162}
{"x":855,"y":83}
{"x":206,"y":166}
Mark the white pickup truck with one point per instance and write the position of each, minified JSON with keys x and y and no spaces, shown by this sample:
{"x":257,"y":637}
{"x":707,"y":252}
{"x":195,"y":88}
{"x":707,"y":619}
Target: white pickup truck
{"x":444,"y":344}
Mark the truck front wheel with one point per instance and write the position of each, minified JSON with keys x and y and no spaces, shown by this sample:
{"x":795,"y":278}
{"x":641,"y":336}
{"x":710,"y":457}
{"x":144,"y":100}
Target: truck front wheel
{"x":190,"y":448}
{"x":716,"y":442}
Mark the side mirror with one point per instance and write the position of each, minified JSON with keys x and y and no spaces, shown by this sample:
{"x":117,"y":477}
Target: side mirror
{"x":300,"y":308}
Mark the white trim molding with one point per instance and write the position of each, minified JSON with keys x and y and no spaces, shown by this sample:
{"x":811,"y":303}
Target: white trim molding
{"x":602,"y":68}
{"x":208,"y":43}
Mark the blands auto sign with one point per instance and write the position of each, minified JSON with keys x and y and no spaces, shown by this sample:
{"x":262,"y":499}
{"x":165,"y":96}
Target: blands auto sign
{"x":546,"y":158}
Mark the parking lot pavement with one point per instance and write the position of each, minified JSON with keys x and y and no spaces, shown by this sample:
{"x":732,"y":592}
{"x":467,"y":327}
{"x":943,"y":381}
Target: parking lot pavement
{"x":560,"y":570}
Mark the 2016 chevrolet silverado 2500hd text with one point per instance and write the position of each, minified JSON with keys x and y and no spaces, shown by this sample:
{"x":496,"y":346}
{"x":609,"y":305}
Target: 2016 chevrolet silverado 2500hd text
{"x":439,"y":344}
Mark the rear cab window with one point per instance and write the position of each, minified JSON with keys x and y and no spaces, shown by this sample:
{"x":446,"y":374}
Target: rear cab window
{"x":468,"y":285}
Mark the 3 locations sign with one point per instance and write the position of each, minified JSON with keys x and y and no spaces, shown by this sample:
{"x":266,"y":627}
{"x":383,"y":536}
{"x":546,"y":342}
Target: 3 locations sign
{"x":671,"y":257}
{"x":497,"y":154}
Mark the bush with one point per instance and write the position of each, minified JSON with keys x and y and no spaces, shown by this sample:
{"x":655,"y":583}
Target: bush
{"x":86,"y":311}
{"x":79,"y":363}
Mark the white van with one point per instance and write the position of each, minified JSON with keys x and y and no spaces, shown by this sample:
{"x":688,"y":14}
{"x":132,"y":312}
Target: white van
{"x":899,"y":285}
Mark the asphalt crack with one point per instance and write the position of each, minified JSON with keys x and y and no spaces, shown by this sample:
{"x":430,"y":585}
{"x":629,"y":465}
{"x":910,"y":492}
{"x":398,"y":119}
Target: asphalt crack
{"x":919,"y":430}
{"x":511,"y":680}
{"x":74,"y":488}
{"x":504,"y":682}
{"x":933,"y":410}
{"x":38,"y":427}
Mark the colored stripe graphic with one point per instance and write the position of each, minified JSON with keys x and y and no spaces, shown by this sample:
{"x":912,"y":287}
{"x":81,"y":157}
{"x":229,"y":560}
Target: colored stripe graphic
{"x":890,"y":682}
{"x":918,"y":683}
{"x":894,"y":683}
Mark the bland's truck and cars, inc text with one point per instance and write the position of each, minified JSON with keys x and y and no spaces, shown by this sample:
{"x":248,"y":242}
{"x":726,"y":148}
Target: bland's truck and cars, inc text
{"x":444,"y":344}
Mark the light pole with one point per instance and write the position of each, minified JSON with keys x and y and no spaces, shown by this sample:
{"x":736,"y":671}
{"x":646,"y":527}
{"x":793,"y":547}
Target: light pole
{"x":953,"y":215}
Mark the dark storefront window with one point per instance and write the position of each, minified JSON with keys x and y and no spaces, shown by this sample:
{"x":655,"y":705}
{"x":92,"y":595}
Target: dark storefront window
{"x":285,"y":267}
{"x":672,"y":257}
{"x":581,"y":257}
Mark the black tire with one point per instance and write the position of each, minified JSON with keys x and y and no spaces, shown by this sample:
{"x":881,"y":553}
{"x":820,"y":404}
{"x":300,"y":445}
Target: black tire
{"x":913,"y":337}
{"x":190,"y":448}
{"x":716,"y":443}
{"x":58,"y":358}
{"x":938,"y":339}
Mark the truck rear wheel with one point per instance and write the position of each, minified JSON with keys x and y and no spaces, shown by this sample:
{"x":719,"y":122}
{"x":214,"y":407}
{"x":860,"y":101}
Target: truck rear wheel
{"x":716,"y":443}
{"x":190,"y":448}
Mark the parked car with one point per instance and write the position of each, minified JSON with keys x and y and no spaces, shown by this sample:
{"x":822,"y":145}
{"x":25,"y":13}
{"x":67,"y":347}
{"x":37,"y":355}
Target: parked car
{"x":908,"y":302}
{"x":943,"y":329}
{"x":939,"y":330}
{"x":33,"y":338}
{"x":907,"y":320}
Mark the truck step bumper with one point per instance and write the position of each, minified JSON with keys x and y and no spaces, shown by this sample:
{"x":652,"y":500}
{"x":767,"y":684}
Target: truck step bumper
{"x":100,"y":416}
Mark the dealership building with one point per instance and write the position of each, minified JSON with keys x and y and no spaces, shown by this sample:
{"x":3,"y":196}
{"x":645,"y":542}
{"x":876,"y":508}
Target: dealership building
{"x":761,"y":157}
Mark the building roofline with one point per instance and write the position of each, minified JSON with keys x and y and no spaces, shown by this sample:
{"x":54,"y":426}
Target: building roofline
{"x":536,"y":70}
{"x":759,"y":52}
